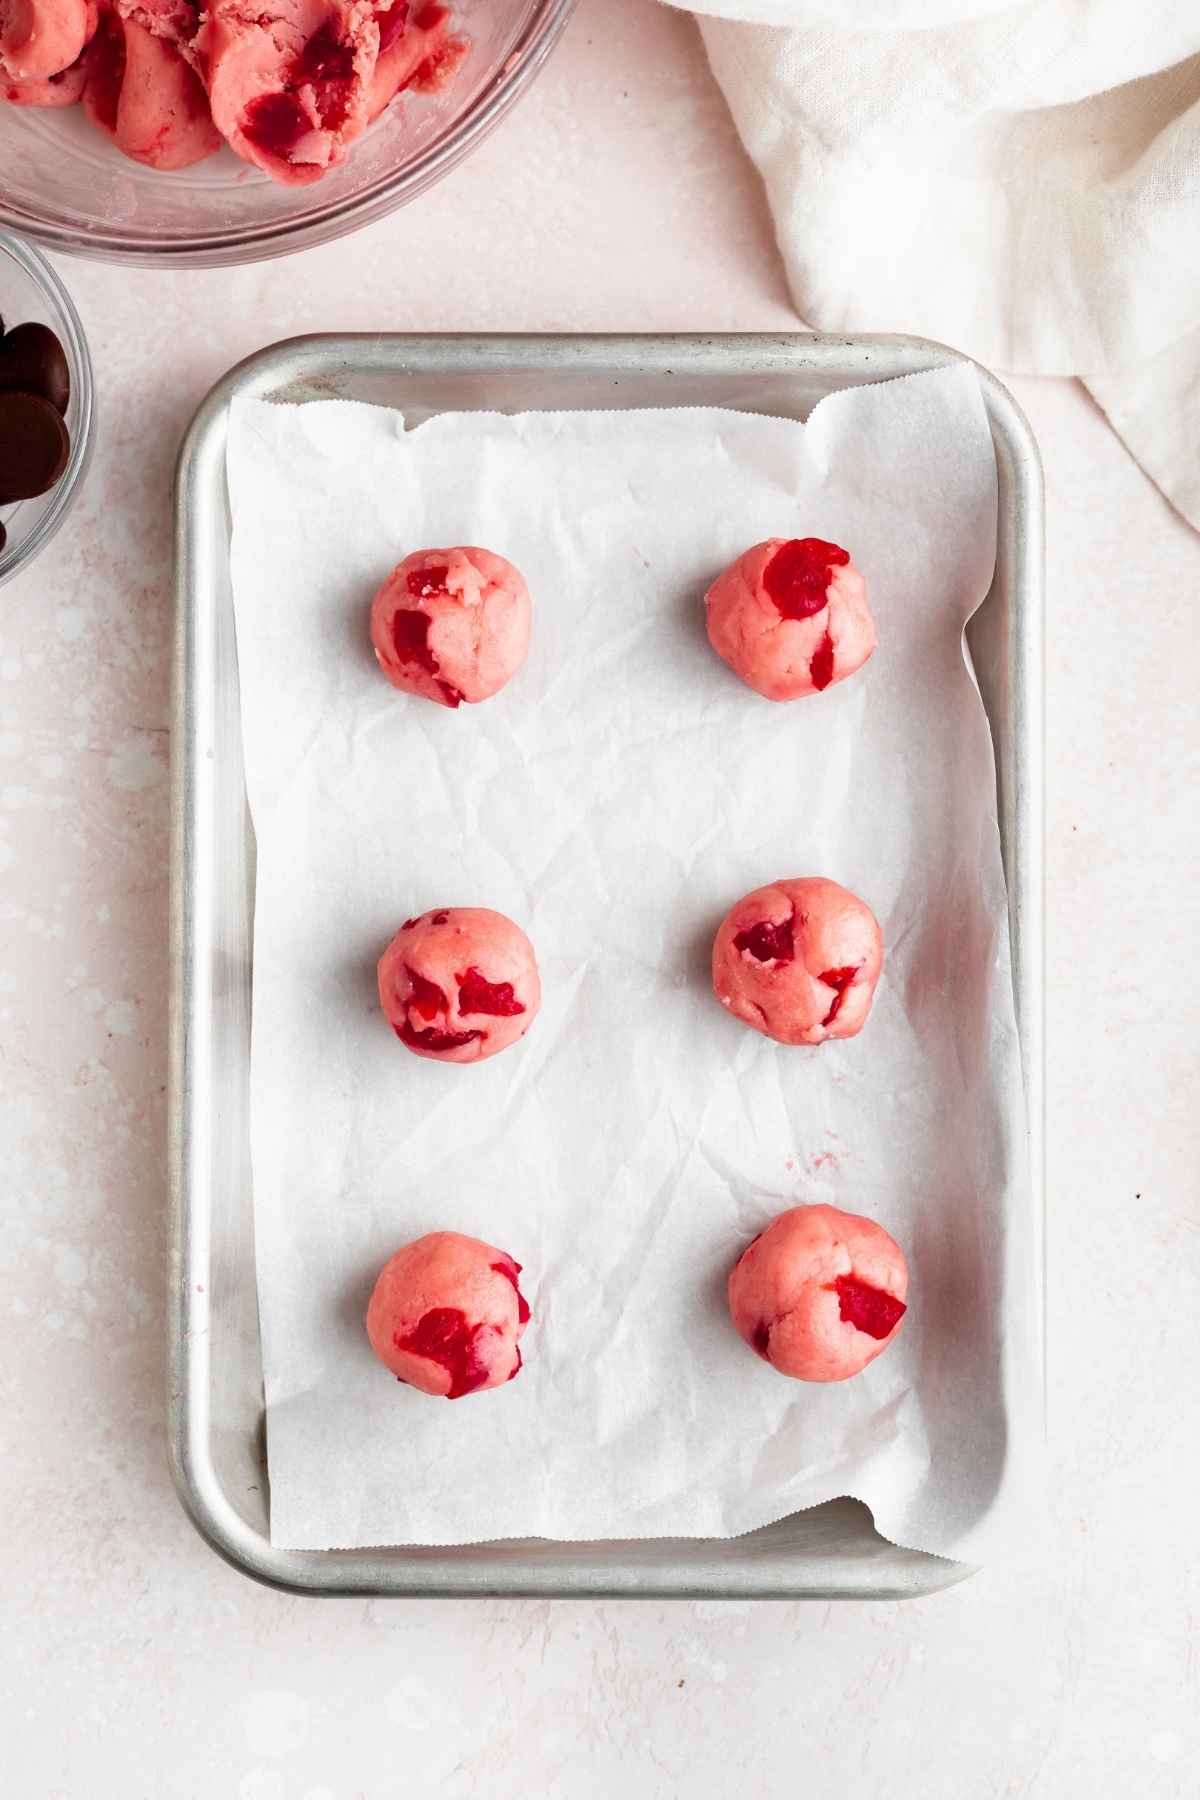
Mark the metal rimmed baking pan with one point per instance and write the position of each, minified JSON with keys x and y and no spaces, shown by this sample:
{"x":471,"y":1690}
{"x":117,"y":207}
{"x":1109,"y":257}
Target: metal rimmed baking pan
{"x":215,"y":1375}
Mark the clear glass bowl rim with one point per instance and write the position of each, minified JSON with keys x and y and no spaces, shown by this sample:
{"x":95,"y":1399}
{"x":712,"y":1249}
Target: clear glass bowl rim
{"x":69,"y":327}
{"x":320,"y":224}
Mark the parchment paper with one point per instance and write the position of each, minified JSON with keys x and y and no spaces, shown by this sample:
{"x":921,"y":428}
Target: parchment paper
{"x":615,"y":799}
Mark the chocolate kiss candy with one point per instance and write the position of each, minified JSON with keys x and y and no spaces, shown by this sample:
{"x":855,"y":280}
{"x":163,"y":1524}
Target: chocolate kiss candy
{"x":34,"y":446}
{"x":33,"y":360}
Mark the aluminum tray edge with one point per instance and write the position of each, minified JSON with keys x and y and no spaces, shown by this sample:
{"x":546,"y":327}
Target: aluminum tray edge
{"x":856,"y":1562}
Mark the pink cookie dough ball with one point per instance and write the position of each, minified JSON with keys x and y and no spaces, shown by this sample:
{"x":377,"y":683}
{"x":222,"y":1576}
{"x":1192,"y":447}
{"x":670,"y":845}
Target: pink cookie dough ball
{"x":417,"y":51}
{"x":446,"y":1314}
{"x":459,"y":984}
{"x":799,"y":961}
{"x":451,"y":625}
{"x":41,"y":38}
{"x":63,"y":89}
{"x":289,"y":83}
{"x":140,"y":88}
{"x":790,"y":616}
{"x":820,"y":1293}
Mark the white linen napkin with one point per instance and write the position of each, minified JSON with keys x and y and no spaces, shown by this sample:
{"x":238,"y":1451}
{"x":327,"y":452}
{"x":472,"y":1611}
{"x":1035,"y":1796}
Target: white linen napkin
{"x":1019,"y":181}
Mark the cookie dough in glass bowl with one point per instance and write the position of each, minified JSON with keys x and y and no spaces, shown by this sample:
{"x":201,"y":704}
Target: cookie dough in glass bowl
{"x":69,"y":186}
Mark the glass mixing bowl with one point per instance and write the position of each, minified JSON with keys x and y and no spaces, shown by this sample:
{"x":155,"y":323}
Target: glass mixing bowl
{"x":30,"y":290}
{"x":63,"y":183}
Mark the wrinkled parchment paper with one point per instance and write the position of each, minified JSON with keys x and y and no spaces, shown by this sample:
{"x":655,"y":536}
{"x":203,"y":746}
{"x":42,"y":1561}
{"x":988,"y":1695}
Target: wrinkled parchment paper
{"x":615,"y":799}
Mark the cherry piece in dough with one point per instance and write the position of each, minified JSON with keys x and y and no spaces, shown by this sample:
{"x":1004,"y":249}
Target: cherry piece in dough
{"x":798,"y":576}
{"x":476,"y":994}
{"x":867,"y":1308}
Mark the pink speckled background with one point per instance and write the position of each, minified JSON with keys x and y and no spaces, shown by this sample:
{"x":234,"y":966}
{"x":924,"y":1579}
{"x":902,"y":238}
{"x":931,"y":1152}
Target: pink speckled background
{"x":132,"y":1663}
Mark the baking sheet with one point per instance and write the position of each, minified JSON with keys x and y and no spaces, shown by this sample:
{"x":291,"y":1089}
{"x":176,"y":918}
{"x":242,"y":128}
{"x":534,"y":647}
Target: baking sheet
{"x":618,"y":795}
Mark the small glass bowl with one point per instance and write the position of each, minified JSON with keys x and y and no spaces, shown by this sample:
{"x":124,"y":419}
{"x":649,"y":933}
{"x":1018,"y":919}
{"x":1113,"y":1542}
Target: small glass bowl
{"x":30,"y":290}
{"x":64,"y":184}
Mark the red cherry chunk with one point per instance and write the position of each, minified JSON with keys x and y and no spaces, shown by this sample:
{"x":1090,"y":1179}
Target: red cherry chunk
{"x":422,"y":583}
{"x":427,"y":997}
{"x":444,"y":1336}
{"x":797,"y":576}
{"x":478,"y":995}
{"x":868,"y":1308}
{"x":767,"y":942}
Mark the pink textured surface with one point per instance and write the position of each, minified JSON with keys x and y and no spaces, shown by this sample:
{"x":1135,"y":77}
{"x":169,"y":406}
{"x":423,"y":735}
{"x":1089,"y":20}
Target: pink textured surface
{"x":139,"y":88}
{"x":798,"y":960}
{"x":133,"y":1661}
{"x":311,"y":61}
{"x":37,"y":39}
{"x":289,"y":86}
{"x":791,"y":617}
{"x":446,"y":1313}
{"x":451,"y":625}
{"x":802,"y":1292}
{"x":459,"y":984}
